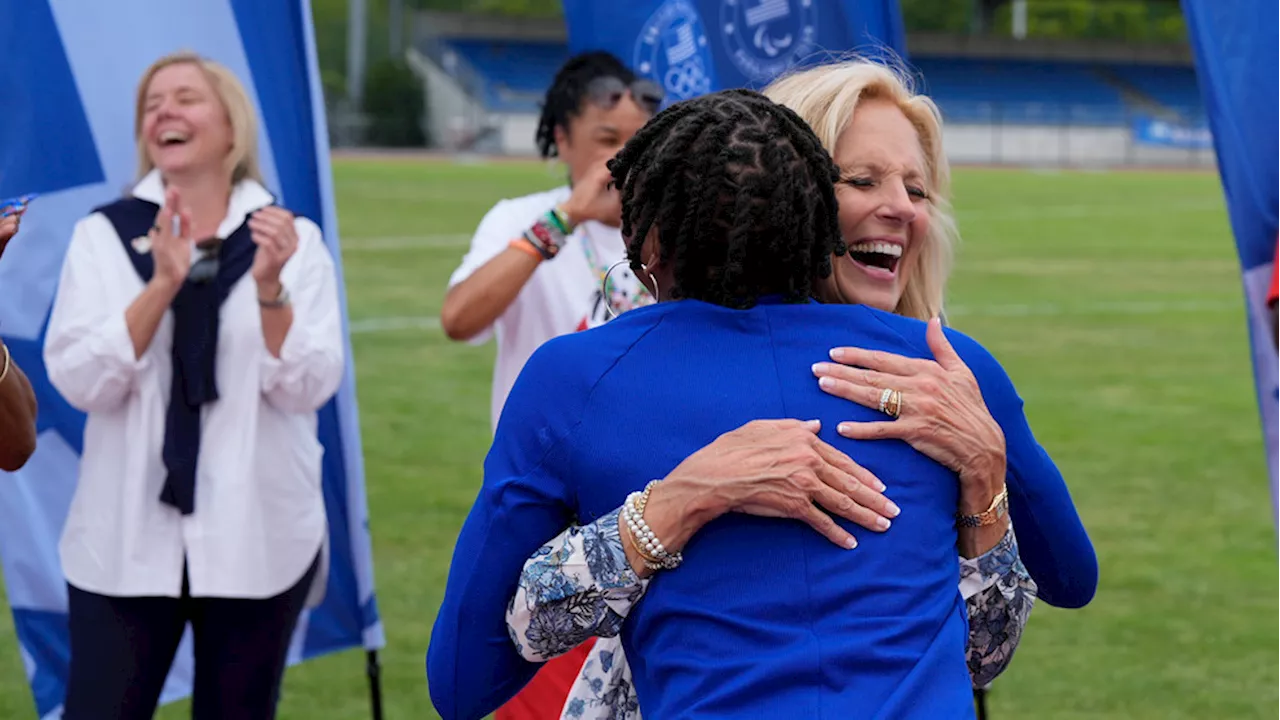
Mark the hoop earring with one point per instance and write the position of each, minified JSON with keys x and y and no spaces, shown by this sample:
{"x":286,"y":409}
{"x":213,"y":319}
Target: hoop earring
{"x":604,"y":286}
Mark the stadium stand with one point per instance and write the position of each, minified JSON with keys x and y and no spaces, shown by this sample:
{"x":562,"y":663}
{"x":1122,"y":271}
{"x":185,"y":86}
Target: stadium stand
{"x":1017,"y":91}
{"x":1174,"y":87}
{"x":515,"y":74}
{"x":1044,"y":103}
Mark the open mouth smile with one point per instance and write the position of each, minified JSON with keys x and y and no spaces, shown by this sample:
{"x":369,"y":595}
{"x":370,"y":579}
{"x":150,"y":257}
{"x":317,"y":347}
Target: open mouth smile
{"x":876,"y":258}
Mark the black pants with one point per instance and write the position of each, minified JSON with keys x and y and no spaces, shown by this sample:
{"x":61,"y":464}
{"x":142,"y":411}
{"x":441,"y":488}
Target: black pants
{"x":122,"y":647}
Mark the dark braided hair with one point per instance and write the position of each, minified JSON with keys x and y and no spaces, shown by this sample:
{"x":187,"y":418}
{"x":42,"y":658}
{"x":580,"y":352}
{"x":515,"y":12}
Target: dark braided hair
{"x":742,"y":194}
{"x":568,"y":91}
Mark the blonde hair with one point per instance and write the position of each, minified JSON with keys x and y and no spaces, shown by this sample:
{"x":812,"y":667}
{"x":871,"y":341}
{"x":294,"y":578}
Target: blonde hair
{"x":242,"y":160}
{"x":826,"y":97}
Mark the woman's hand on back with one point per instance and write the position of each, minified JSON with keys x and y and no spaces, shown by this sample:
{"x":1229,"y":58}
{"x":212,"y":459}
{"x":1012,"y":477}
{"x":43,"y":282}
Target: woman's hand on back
{"x":769,"y":468}
{"x":942,"y":411}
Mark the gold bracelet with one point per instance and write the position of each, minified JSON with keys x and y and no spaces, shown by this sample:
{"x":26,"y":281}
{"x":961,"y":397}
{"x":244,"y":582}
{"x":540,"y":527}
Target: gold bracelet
{"x":8,"y":362}
{"x":643,"y":502}
{"x":999,"y":506}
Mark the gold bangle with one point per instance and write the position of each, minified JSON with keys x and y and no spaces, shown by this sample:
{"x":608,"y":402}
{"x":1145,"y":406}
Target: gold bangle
{"x":999,"y":506}
{"x":8,"y":362}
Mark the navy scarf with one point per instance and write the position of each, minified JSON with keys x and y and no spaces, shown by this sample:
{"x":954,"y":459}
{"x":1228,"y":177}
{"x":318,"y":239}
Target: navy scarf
{"x":196,"y":310}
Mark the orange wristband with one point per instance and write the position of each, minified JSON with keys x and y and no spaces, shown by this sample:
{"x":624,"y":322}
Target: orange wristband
{"x":525,"y":247}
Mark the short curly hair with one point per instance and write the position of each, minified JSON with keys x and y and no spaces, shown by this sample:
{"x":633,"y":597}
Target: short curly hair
{"x":742,"y":194}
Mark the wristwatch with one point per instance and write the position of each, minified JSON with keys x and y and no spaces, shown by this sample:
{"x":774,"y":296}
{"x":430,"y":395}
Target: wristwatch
{"x":990,"y":516}
{"x":281,"y":300}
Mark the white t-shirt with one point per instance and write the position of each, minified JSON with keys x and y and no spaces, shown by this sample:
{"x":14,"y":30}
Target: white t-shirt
{"x":562,"y":296}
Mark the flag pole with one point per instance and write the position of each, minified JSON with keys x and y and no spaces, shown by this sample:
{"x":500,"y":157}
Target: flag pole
{"x":374,"y":671}
{"x":980,"y":700}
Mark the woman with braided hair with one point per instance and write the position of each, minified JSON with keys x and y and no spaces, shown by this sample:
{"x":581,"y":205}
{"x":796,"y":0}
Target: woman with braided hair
{"x":730,"y":214}
{"x":894,"y":215}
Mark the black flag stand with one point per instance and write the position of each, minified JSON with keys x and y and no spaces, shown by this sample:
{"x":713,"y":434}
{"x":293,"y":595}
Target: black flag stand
{"x":374,"y":671}
{"x":980,"y":700}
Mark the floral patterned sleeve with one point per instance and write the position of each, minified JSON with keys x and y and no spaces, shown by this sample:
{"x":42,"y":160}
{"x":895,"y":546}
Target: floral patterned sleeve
{"x":999,"y":594}
{"x":575,"y":587}
{"x":580,"y":585}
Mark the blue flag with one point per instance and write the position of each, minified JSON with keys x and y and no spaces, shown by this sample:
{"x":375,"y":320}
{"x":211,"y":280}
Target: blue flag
{"x":692,"y":47}
{"x":1235,"y":46}
{"x":66,"y":131}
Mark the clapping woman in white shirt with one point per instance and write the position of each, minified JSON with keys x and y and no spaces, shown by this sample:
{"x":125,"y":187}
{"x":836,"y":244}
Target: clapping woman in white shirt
{"x":197,"y":324}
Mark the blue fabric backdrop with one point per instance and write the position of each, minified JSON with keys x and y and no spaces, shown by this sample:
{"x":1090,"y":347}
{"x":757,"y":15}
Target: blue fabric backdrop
{"x":693,"y":47}
{"x":1237,"y":47}
{"x":66,"y":130}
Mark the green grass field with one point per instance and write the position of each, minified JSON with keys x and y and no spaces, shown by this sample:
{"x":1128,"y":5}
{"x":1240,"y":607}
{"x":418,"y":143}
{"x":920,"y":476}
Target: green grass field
{"x":1114,"y":302}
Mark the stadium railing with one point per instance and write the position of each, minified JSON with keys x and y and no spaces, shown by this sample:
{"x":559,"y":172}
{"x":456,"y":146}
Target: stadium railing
{"x":1074,"y":135}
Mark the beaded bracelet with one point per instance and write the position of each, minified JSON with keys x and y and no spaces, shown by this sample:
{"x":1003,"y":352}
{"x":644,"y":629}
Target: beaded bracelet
{"x":647,"y":542}
{"x":649,"y":562}
{"x":549,"y":233}
{"x":640,"y":536}
{"x":561,"y":220}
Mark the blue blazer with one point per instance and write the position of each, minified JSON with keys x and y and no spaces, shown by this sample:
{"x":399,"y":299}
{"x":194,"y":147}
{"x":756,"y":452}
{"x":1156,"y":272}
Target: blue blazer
{"x":766,"y":618}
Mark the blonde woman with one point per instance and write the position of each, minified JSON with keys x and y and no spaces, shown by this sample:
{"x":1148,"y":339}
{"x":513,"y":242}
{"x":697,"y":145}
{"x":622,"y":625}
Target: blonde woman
{"x":197,"y":325}
{"x":895,"y":217}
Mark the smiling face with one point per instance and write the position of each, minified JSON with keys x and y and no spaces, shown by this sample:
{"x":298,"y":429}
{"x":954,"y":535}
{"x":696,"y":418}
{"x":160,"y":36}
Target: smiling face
{"x":884,"y":206}
{"x":596,"y":133}
{"x":185,"y":129}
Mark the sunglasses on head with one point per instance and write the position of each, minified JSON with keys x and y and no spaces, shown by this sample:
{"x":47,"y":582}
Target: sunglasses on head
{"x":607,"y":91}
{"x":206,"y":266}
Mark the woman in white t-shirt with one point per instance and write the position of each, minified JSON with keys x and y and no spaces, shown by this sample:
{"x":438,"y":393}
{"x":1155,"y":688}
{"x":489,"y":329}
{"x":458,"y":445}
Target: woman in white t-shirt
{"x":537,"y":263}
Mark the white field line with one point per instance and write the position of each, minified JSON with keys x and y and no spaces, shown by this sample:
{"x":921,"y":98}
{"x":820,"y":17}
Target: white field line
{"x":1131,"y":307}
{"x":392,"y":324}
{"x":406,"y":242}
{"x":1137,"y":307}
{"x":1037,"y":212}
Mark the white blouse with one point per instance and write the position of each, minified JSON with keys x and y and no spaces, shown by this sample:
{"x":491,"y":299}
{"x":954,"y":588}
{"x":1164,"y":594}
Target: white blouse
{"x":259,"y":519}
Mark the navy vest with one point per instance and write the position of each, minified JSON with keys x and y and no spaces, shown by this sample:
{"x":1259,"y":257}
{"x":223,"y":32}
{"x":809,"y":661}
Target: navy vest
{"x":196,"y":311}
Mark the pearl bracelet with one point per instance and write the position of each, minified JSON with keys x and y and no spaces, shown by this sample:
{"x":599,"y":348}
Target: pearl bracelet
{"x":648,"y":562}
{"x":650,"y":547}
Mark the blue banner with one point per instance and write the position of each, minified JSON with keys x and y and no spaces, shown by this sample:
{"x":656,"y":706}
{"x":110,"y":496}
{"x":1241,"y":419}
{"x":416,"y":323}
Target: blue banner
{"x":1165,"y":133}
{"x":1236,"y":50}
{"x":692,"y":47}
{"x":70,"y":72}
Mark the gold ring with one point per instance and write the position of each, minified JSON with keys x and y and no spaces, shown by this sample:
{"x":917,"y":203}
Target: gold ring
{"x":891,"y":403}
